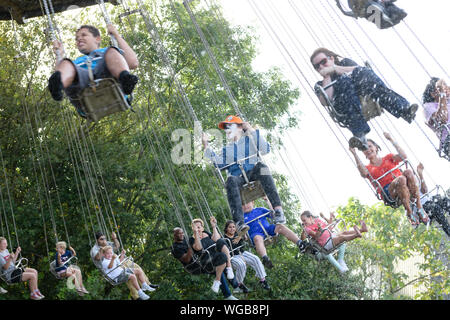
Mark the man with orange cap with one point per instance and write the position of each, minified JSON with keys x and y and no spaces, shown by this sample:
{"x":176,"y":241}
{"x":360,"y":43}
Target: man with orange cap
{"x":244,"y":143}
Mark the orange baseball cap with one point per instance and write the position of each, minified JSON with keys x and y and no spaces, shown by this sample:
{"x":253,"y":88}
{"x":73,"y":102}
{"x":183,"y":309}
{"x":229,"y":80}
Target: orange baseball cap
{"x":229,"y":120}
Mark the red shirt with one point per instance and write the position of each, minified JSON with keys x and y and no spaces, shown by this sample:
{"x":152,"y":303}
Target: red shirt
{"x":387,"y":164}
{"x":311,"y":229}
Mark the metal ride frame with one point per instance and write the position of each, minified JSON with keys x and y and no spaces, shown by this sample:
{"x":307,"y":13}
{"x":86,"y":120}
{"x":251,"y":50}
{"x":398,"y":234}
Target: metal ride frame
{"x":106,"y":274}
{"x":66,"y":263}
{"x":314,"y":244}
{"x":251,"y":190}
{"x":21,"y":264}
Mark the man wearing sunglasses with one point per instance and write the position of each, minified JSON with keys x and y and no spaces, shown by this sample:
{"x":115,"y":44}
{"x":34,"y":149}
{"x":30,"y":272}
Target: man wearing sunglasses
{"x":350,"y":83}
{"x":244,"y":142}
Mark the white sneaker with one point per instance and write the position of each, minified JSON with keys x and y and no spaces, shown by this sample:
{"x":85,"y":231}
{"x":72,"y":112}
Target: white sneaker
{"x":146,"y":287}
{"x":216,"y":286}
{"x":142,"y":295}
{"x":231,"y":298}
{"x":344,"y":267}
{"x":3,"y":291}
{"x":230,"y":273}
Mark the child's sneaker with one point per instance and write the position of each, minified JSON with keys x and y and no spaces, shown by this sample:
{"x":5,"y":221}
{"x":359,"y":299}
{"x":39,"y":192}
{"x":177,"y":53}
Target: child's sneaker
{"x":146,"y":287}
{"x":230,"y":273}
{"x":231,"y":297}
{"x":142,"y":295}
{"x":55,"y":86}
{"x":127,"y":81}
{"x":216,"y":286}
{"x":35,"y":296}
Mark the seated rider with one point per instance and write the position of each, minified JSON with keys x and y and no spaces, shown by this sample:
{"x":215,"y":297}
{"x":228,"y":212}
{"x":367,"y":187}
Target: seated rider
{"x":97,"y":258}
{"x":436,"y":104}
{"x":436,"y":205}
{"x":353,"y":81}
{"x":388,"y":13}
{"x":240,"y":258}
{"x":73,"y":76}
{"x":65,"y":271}
{"x":244,"y":141}
{"x":306,"y":247}
{"x":398,"y":185}
{"x":257,"y":234}
{"x":197,"y":264}
{"x":329,"y":238}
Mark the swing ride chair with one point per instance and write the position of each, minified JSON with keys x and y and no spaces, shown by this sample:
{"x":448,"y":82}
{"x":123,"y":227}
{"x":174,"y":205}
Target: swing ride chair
{"x":268,"y":240}
{"x":106,"y":274}
{"x":208,"y":267}
{"x":251,"y":190}
{"x":232,"y":251}
{"x":21,"y":264}
{"x":313,"y":243}
{"x":395,"y":203}
{"x":66,"y":263}
{"x":373,"y":8}
{"x":370,"y":108}
{"x":102,"y":98}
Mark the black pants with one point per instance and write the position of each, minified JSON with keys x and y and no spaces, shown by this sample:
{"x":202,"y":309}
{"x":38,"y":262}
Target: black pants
{"x":233,"y":185}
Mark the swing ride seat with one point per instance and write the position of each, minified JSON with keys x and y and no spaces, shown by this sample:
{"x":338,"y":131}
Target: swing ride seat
{"x":21,"y":264}
{"x":201,"y":263}
{"x":314,"y":244}
{"x":108,"y":278}
{"x":268,"y":240}
{"x":387,"y":199}
{"x":369,"y":107}
{"x":66,"y":263}
{"x":250,"y":190}
{"x":230,"y":245}
{"x":103,"y":98}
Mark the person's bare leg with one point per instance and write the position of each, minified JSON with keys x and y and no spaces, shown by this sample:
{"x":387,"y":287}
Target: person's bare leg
{"x":32,"y":280}
{"x":288,"y":233}
{"x":399,"y":189}
{"x":259,"y":246}
{"x":115,"y":62}
{"x":412,"y":187}
{"x":68,"y":73}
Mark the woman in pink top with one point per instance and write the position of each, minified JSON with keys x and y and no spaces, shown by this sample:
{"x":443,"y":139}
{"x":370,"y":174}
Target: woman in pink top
{"x":436,"y":104}
{"x":328,"y":239}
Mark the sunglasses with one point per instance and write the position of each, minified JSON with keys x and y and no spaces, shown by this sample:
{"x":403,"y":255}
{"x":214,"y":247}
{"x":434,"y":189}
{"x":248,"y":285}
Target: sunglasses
{"x":321,"y":63}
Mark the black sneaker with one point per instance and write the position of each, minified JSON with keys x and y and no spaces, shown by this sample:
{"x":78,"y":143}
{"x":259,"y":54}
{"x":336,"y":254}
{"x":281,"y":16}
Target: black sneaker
{"x":301,"y":246}
{"x":410,"y":113}
{"x":266,"y":262}
{"x":278,"y":217}
{"x":265,"y":285}
{"x":244,"y":288}
{"x":55,"y":86}
{"x":127,"y":81}
{"x":358,"y":142}
{"x":241,"y":228}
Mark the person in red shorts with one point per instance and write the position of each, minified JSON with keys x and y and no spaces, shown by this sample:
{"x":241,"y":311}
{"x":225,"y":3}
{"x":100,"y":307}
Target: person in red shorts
{"x":397,"y":185}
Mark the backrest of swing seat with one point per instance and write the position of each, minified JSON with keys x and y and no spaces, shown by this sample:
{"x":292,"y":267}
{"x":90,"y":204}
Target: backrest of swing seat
{"x":251,"y":191}
{"x":104,"y":99}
